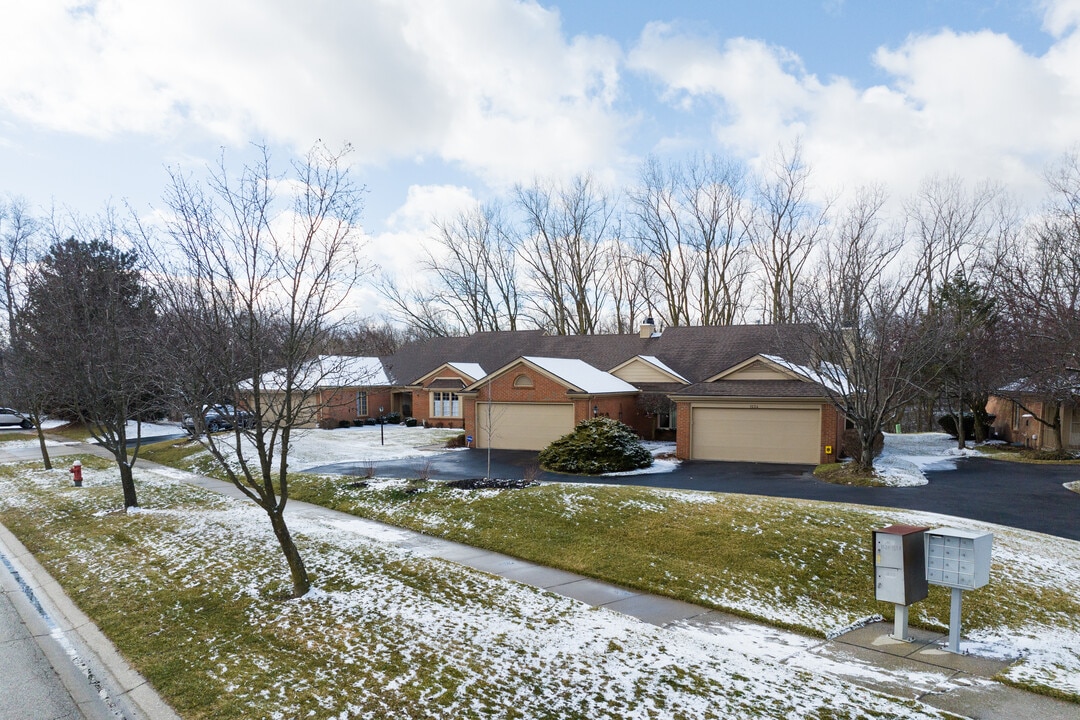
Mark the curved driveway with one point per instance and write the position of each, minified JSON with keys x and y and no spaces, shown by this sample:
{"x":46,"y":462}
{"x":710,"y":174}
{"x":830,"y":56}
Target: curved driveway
{"x":1019,"y":495}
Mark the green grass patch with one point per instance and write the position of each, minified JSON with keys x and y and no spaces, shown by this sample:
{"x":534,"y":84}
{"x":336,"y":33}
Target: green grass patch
{"x":188,"y":589}
{"x":12,"y":435}
{"x":847,"y":474}
{"x":797,"y":564}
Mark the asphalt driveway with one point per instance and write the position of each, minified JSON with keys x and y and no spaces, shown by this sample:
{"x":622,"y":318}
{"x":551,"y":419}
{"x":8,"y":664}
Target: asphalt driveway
{"x":1018,"y":495}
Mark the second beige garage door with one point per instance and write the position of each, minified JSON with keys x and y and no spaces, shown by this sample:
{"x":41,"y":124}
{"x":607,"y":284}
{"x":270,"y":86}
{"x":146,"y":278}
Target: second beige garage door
{"x":523,"y":426}
{"x":777,"y":435}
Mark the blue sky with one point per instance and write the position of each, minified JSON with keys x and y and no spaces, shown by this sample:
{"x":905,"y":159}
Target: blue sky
{"x":451,"y":102}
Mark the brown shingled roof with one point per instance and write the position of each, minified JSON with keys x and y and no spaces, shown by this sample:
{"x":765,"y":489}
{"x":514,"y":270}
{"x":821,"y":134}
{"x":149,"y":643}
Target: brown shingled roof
{"x":753,"y":389}
{"x":696,"y":353}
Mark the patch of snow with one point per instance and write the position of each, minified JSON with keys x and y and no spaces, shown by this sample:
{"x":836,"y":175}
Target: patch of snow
{"x":906,"y":457}
{"x":582,"y":375}
{"x":364,"y":444}
{"x":472,"y":370}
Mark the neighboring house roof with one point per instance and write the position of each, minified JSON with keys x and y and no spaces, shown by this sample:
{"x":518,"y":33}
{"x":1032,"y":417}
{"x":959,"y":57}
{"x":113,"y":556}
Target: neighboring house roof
{"x":692,"y":353}
{"x":1057,"y":385}
{"x":752,"y":389}
{"x":654,"y":362}
{"x":471,"y":370}
{"x":582,"y":376}
{"x":576,"y":374}
{"x":331,"y":371}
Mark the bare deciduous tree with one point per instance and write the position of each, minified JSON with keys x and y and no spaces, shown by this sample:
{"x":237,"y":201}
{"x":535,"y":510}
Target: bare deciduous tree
{"x":473,"y":270}
{"x":564,"y":251}
{"x":1042,"y":277}
{"x":691,"y":230}
{"x":784,"y":226}
{"x":23,"y":384}
{"x":872,"y":346}
{"x":262,"y":280}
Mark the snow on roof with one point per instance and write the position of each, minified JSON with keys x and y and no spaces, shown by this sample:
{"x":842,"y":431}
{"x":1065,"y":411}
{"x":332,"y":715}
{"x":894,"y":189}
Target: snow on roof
{"x":833,"y":378}
{"x":582,"y":375}
{"x":653,"y":360}
{"x":472,"y":370}
{"x":331,"y":371}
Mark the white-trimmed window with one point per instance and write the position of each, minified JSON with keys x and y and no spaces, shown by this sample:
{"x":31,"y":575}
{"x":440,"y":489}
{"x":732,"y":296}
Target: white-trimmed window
{"x":361,"y":403}
{"x":666,"y":420}
{"x":445,"y":404}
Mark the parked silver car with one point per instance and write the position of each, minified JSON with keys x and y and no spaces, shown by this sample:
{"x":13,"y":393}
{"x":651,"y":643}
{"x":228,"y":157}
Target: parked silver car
{"x":8,"y":416}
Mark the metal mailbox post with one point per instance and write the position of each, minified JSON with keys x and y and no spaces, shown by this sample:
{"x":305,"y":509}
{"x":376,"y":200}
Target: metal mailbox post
{"x":958,"y":559}
{"x":899,"y":571}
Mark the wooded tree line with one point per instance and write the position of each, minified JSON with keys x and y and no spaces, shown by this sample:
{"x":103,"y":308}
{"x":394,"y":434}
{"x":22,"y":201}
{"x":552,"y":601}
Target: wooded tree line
{"x":230,"y":296}
{"x":935,"y":299}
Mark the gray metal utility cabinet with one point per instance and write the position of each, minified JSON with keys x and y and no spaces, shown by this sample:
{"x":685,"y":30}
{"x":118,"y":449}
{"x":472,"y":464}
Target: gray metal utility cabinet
{"x":958,"y":559}
{"x":900,"y":571}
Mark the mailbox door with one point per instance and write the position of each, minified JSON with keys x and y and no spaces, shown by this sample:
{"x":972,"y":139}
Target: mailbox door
{"x":889,"y":585}
{"x":888,"y":550}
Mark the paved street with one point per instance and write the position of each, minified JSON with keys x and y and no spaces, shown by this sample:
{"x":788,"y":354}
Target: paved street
{"x":37,"y":677}
{"x":1024,"y":496}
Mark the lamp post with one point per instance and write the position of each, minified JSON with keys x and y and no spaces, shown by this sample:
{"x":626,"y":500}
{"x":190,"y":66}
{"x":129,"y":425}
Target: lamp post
{"x":382,"y":425}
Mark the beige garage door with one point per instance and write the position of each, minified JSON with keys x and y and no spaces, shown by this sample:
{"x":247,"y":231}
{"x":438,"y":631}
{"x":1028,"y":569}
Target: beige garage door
{"x":522,"y":426}
{"x":756,"y":434}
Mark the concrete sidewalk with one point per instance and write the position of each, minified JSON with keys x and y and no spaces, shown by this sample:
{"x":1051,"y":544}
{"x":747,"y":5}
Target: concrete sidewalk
{"x":868,"y":657}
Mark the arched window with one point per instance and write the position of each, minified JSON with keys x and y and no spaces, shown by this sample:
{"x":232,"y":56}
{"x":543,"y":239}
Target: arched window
{"x":523,"y":381}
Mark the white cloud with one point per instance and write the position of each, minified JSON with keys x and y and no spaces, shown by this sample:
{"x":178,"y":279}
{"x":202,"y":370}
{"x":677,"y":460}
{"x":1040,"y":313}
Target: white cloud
{"x":973,"y":104}
{"x":491,"y":84}
{"x":1060,"y":16}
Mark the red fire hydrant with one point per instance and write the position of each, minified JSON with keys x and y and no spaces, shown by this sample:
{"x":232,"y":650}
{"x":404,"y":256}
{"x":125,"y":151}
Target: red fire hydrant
{"x":76,"y":473}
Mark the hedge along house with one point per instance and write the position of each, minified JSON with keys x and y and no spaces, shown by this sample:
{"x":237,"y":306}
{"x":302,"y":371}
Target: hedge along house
{"x":764,"y":409}
{"x":533,"y":401}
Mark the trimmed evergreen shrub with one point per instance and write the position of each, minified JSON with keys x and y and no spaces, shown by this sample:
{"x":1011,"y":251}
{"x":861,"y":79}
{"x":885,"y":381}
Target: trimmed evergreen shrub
{"x":594,"y":447}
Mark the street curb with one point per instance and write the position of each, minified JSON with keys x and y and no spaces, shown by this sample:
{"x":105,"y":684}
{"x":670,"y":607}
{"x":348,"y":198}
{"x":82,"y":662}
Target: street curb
{"x":128,"y":691}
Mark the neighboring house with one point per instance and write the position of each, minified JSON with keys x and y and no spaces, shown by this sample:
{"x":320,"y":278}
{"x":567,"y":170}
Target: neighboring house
{"x":341,"y":390}
{"x":1018,"y":406}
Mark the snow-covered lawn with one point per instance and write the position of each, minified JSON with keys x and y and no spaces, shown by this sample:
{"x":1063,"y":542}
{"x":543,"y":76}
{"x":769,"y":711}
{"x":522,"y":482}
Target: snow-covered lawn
{"x":360,"y":444}
{"x":905,"y":458}
{"x":388,"y":632}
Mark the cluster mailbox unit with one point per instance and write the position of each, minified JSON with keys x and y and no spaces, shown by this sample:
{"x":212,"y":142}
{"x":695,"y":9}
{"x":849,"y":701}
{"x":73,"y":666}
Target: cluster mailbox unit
{"x":899,"y":571}
{"x":907,"y":559}
{"x":957,"y":559}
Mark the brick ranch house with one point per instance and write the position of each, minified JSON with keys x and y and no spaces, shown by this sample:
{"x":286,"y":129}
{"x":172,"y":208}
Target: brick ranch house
{"x":735,"y":393}
{"x":1018,"y":406}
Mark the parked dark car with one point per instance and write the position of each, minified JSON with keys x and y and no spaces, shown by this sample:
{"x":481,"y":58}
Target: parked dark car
{"x":8,"y":416}
{"x":219,"y":417}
